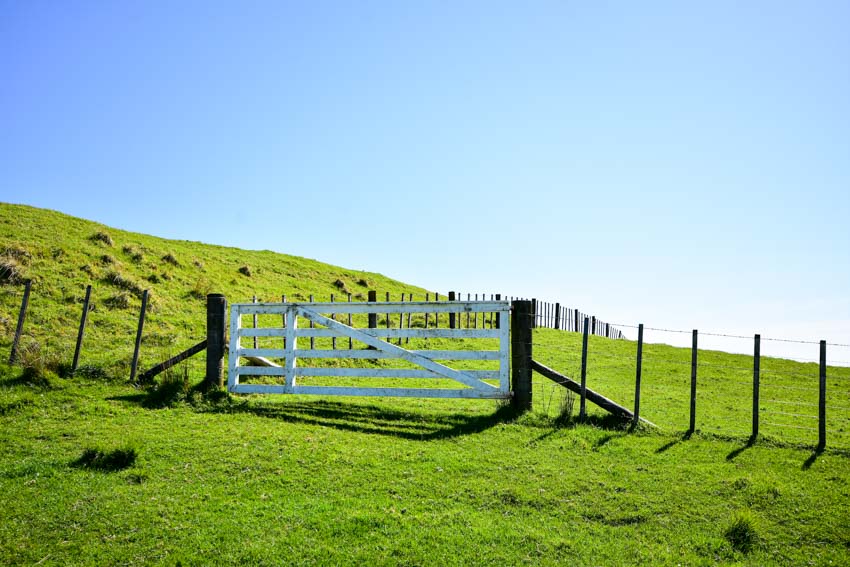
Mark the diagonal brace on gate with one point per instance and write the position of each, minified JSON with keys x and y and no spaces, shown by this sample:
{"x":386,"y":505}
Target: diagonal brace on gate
{"x":398,"y":352}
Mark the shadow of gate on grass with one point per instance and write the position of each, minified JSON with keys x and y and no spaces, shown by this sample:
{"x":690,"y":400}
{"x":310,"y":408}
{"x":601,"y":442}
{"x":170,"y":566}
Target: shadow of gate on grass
{"x":361,"y":418}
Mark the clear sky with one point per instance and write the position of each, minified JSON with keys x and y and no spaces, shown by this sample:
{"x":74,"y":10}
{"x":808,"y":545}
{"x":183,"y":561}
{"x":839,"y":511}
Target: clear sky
{"x":681,"y":164}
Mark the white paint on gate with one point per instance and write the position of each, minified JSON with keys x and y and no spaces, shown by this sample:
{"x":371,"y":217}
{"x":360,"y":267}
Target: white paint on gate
{"x":378,"y":339}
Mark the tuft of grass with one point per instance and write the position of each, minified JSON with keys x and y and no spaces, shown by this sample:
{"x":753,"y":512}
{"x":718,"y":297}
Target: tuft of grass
{"x":107,"y":461}
{"x":201,"y":289}
{"x":171,"y":389}
{"x":92,"y":371}
{"x":115,"y":278}
{"x":17,"y":252}
{"x":741,"y":531}
{"x":362,"y":282}
{"x":10,"y":270}
{"x":565,"y":410}
{"x":170,"y":259}
{"x":134,"y":253}
{"x":245,"y":270}
{"x":119,"y":300}
{"x":107,"y":260}
{"x":102,"y":237}
{"x":37,"y":376}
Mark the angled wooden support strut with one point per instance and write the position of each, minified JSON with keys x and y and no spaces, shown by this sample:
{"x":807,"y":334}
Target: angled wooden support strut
{"x":608,"y":405}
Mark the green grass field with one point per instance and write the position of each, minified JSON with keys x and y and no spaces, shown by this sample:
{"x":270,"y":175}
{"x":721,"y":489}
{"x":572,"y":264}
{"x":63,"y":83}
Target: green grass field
{"x":96,"y":471}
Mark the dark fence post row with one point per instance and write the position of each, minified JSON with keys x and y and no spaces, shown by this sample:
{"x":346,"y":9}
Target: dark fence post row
{"x":82,"y":329}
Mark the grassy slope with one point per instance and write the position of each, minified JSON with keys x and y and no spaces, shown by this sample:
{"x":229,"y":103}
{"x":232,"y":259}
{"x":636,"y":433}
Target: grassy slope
{"x":57,"y":252}
{"x":390,"y":481}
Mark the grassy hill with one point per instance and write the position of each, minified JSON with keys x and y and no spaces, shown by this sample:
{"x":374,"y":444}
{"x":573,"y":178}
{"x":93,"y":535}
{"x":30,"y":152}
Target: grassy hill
{"x":97,"y":471}
{"x":63,"y":254}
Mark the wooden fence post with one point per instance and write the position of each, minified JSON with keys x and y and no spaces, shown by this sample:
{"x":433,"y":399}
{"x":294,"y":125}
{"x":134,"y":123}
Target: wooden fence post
{"x":534,"y":321}
{"x":409,"y":316}
{"x":389,"y":340}
{"x":521,"y":355}
{"x":436,"y":315}
{"x":350,"y":340}
{"x":283,"y":317}
{"x":498,"y":315}
{"x":582,"y":404}
{"x":312,"y":326}
{"x":254,"y":317}
{"x":756,"y":379}
{"x":135,"y":364}
{"x":557,"y":316}
{"x":400,"y":321}
{"x":822,"y":398}
{"x":575,"y":316}
{"x":638,"y":367}
{"x":427,"y":299}
{"x":373,"y":317}
{"x":216,"y":325}
{"x":693,"y":423}
{"x":333,"y":316}
{"x":82,"y":330}
{"x":21,"y":316}
{"x":452,"y":318}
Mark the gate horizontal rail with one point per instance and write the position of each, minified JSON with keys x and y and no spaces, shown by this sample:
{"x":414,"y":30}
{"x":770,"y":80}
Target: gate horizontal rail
{"x":431,"y":363}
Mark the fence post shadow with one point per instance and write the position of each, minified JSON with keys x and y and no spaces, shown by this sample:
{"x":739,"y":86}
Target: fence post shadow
{"x":734,"y":453}
{"x":813,"y":457}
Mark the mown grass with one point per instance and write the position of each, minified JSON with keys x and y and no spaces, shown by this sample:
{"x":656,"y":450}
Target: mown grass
{"x":308,"y":480}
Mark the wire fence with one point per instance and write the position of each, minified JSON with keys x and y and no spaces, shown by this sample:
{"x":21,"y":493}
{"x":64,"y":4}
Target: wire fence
{"x":804,"y":401}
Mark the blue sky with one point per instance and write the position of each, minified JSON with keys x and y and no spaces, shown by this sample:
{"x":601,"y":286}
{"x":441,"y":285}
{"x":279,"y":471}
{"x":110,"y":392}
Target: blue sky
{"x":681,"y":164}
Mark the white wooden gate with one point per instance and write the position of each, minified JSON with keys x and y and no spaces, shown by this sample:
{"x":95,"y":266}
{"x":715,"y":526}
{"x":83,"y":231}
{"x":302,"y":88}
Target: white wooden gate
{"x":281,"y":341}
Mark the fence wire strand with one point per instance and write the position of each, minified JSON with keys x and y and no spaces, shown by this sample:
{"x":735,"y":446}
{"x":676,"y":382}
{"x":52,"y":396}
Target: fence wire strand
{"x":772,"y":412}
{"x":790,"y":426}
{"x":790,"y":387}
